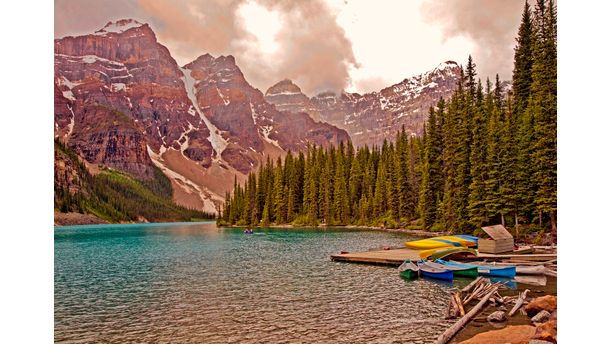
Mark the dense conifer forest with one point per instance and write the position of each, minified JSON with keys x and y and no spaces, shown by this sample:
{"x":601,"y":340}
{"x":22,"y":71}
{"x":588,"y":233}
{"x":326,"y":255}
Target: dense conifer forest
{"x":115,"y":196}
{"x":486,"y":157}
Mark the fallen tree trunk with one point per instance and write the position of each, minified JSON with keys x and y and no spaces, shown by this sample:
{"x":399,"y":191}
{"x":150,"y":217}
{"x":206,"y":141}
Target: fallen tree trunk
{"x":472,"y":284}
{"x":519,"y":303}
{"x":451,"y":331}
{"x":459,"y":303}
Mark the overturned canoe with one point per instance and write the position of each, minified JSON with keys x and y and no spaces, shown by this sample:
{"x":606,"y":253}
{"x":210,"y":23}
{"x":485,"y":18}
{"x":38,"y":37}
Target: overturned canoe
{"x":443,"y":241}
{"x":426,"y":270}
{"x":485,"y":270}
{"x":531,"y":270}
{"x":439,"y":253}
{"x":408,"y":270}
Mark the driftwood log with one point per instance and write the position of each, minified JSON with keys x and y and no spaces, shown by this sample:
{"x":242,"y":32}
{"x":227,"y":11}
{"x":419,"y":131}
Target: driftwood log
{"x":457,"y":298}
{"x":472,"y":284}
{"x":519,"y":303}
{"x":451,"y":331}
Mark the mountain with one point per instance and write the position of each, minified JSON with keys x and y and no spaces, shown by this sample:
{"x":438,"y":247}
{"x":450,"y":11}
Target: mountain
{"x":372,"y":117}
{"x":287,"y":96}
{"x":122,"y":102}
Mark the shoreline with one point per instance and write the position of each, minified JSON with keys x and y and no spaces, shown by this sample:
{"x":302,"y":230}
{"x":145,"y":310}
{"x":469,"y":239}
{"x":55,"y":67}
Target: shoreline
{"x":78,"y":219}
{"x":414,"y":232}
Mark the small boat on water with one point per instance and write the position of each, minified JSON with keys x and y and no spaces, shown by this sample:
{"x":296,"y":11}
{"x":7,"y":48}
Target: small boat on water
{"x":408,"y":270}
{"x":458,"y":271}
{"x":248,"y":231}
{"x":484,"y":270}
{"x":426,"y":270}
{"x":443,"y":241}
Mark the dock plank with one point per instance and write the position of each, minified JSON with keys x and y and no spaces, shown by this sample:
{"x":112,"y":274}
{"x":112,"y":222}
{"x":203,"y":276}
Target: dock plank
{"x":384,"y":257}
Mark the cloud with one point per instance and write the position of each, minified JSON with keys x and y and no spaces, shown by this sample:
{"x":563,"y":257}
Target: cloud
{"x":304,"y":40}
{"x":83,"y":17}
{"x":308,"y":46}
{"x":491,"y":24}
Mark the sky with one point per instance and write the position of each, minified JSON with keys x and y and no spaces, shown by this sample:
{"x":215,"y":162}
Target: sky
{"x":352,"y":45}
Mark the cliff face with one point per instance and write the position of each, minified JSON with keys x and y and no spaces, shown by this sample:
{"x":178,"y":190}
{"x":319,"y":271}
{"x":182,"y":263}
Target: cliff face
{"x":122,"y":101}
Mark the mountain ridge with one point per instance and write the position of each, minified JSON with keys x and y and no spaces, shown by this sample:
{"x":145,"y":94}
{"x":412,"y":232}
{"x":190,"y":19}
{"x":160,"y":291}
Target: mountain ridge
{"x":122,"y":101}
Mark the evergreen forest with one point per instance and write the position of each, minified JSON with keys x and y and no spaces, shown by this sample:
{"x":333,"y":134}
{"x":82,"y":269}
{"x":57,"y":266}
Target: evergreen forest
{"x":487,"y":156}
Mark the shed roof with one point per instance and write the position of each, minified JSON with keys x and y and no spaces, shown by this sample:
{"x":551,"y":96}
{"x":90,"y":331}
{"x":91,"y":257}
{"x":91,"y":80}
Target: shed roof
{"x":497,"y":232}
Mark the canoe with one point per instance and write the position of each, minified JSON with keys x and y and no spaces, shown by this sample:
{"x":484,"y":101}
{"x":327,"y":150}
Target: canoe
{"x":439,"y":253}
{"x":520,"y":269}
{"x":531,"y":270}
{"x":485,"y":270}
{"x":432,"y":272}
{"x":408,"y":270}
{"x":443,"y":241}
{"x":458,"y":271}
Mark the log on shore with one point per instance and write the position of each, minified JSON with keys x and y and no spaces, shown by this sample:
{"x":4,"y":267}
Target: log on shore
{"x":451,"y":331}
{"x":519,"y":303}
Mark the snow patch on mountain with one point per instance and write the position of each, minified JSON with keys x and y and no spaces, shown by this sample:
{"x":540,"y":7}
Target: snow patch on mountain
{"x":184,"y":183}
{"x":119,"y":26}
{"x":265,"y":132}
{"x":218,"y":142}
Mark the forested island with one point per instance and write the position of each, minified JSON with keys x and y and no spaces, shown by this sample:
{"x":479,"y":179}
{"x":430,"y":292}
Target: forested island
{"x":486,"y":156}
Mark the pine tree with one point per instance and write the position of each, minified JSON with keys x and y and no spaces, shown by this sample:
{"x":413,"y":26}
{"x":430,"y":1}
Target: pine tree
{"x":280,"y":192}
{"x":478,"y":159}
{"x":523,"y":62}
{"x":543,"y":107}
{"x":431,"y":189}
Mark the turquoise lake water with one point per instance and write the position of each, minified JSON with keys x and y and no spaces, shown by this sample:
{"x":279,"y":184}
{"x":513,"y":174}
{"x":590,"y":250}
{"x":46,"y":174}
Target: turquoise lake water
{"x":199,"y":283}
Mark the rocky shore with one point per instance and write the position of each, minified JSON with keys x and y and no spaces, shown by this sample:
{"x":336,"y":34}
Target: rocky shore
{"x":73,"y":219}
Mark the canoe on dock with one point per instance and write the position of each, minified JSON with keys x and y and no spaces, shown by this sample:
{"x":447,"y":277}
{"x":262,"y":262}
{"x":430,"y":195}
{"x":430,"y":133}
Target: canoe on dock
{"x":485,"y":270}
{"x":458,"y":271}
{"x":454,"y":252}
{"x":408,"y":270}
{"x":443,"y":241}
{"x":426,"y":270}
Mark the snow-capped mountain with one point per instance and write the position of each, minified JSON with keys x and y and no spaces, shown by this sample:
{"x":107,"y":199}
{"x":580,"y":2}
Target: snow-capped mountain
{"x":122,"y":101}
{"x":372,"y":117}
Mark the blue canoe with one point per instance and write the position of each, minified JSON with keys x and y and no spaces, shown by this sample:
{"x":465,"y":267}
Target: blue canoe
{"x":485,"y":270}
{"x":426,"y":270}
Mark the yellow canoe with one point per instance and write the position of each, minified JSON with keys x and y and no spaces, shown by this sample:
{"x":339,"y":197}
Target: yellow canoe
{"x":443,"y":241}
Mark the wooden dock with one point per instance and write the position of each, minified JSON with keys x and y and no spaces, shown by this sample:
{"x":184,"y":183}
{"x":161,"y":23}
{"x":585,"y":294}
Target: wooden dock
{"x":395,"y":257}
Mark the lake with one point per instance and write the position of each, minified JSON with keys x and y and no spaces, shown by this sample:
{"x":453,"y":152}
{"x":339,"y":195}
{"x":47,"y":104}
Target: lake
{"x":199,"y":283}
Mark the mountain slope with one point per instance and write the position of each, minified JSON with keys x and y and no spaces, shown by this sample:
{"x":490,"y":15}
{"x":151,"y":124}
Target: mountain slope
{"x":114,"y":196}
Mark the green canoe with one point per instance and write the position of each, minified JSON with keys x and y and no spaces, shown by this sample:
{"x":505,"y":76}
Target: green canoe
{"x":408,"y":270}
{"x":457,"y":271}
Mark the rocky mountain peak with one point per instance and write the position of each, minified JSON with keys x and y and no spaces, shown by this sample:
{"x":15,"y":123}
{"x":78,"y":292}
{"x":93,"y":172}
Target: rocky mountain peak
{"x":120,"y":26}
{"x":285,"y":86}
{"x":287,"y":96}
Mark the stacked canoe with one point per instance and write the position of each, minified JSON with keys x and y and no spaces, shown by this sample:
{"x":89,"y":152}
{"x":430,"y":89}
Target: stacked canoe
{"x":443,"y":241}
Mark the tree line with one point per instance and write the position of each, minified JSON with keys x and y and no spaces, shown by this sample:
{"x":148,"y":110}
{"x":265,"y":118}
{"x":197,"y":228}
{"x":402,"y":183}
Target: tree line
{"x":486,"y":156}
